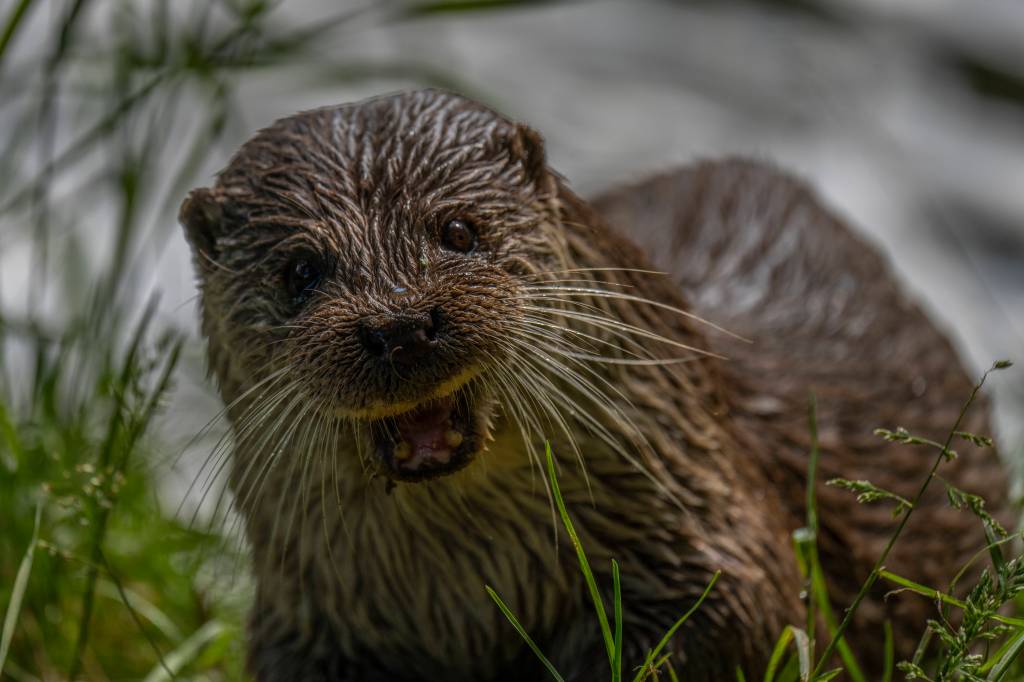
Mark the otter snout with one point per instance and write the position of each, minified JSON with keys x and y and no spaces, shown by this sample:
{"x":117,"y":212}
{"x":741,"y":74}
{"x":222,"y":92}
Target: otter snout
{"x":402,"y":338}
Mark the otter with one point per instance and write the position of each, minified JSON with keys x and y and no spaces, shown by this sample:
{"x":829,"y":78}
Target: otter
{"x":403,"y":303}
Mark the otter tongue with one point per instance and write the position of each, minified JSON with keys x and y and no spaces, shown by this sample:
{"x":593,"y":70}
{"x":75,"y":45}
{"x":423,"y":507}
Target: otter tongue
{"x":424,"y":430}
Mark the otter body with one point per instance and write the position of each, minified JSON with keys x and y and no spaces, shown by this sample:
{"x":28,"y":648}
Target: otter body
{"x":403,"y":303}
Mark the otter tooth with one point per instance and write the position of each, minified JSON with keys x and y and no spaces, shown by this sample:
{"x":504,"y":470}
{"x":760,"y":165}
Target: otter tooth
{"x":453,"y":438}
{"x":403,"y":451}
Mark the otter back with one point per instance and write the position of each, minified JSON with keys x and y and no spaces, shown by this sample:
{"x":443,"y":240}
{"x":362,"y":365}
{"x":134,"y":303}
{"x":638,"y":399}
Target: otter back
{"x":753,"y":249}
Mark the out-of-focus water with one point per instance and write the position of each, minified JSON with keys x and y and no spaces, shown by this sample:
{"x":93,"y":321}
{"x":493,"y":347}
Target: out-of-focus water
{"x":904,"y":115}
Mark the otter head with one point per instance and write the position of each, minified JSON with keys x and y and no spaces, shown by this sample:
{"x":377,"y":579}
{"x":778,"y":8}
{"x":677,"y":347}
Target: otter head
{"x":365,"y":261}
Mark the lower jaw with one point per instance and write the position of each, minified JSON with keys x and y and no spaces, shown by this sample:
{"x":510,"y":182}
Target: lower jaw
{"x":460,"y":433}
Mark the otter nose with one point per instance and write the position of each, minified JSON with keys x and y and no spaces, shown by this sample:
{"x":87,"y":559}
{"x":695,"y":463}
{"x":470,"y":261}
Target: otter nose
{"x":402,"y":338}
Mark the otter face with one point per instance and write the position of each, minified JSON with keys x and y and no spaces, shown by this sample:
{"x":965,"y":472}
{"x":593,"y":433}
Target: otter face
{"x":369,"y":258}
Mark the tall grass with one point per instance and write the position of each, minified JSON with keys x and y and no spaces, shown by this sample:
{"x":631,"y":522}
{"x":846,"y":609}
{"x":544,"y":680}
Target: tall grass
{"x":97,"y":579}
{"x":107,"y":563}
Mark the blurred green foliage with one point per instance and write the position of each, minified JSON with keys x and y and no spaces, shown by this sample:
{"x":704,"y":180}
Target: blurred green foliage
{"x":110,"y":566}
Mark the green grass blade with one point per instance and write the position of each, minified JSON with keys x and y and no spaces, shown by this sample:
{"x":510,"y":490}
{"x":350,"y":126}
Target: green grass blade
{"x":115,"y":439}
{"x":450,"y":6}
{"x":18,"y":592}
{"x":649,"y":670}
{"x":995,"y":551}
{"x":617,"y":601}
{"x":740,"y":677}
{"x":653,"y":653}
{"x":791,"y":671}
{"x":9,"y":434}
{"x":1000,"y":652}
{"x":134,"y":614}
{"x":824,"y":605}
{"x":803,"y":653}
{"x":588,"y":575}
{"x":942,"y":596}
{"x":176,"y":660}
{"x":140,"y":604}
{"x":83,"y":144}
{"x":1014,"y":537}
{"x":889,"y":653}
{"x":777,"y":653}
{"x":811,"y":505}
{"x":820,"y":600}
{"x":922,"y":646}
{"x":1006,"y":656}
{"x":868,"y":583}
{"x":522,"y":633}
{"x":17,"y":14}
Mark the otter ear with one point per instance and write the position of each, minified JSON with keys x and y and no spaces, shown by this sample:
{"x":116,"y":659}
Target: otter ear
{"x":202,"y":217}
{"x":527,"y":148}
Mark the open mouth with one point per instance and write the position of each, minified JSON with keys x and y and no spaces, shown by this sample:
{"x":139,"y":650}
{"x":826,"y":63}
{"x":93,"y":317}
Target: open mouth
{"x":435,"y":438}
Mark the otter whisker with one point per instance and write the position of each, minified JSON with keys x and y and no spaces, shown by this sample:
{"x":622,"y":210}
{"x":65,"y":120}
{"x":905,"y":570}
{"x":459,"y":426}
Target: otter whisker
{"x":603,"y":359}
{"x":304,"y":450}
{"x":360,"y":434}
{"x":556,"y":344}
{"x":513,"y":381}
{"x":339,"y":427}
{"x":516,"y":402}
{"x":246,"y":492}
{"x":556,"y":332}
{"x":331,"y":452}
{"x":592,"y":390}
{"x":221,"y":457}
{"x":263,"y":458}
{"x":639,"y":271}
{"x":254,"y":425}
{"x":608,"y":407}
{"x":579,"y":280}
{"x":554,"y":307}
{"x":550,"y":410}
{"x":269,"y":379}
{"x":283,"y":327}
{"x":621,"y":296}
{"x":598,"y":321}
{"x":281,"y":541}
{"x":572,"y":341}
{"x":576,"y":381}
{"x":524,"y":408}
{"x":589,"y":389}
{"x":560,"y":333}
{"x":555,"y":415}
{"x":295,"y":454}
{"x":307,"y":450}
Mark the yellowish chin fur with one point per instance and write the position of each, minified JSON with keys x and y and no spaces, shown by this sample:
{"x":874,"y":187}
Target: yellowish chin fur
{"x":381,"y":410}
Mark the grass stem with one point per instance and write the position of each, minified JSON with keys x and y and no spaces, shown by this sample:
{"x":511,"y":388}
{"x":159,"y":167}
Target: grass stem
{"x":875,"y":571}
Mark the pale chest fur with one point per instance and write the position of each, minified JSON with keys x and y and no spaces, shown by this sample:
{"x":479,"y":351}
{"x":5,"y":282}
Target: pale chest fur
{"x":401,"y":575}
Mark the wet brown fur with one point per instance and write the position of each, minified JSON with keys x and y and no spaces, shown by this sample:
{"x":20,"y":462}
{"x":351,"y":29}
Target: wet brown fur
{"x":676,"y":469}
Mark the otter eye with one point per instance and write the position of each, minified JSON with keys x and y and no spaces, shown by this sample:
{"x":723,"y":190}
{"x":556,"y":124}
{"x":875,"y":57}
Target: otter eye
{"x":458,"y":236}
{"x":301,"y":276}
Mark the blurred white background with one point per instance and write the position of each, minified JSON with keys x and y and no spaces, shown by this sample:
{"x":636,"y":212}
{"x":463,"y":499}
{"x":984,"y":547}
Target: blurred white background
{"x":908,"y":116}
